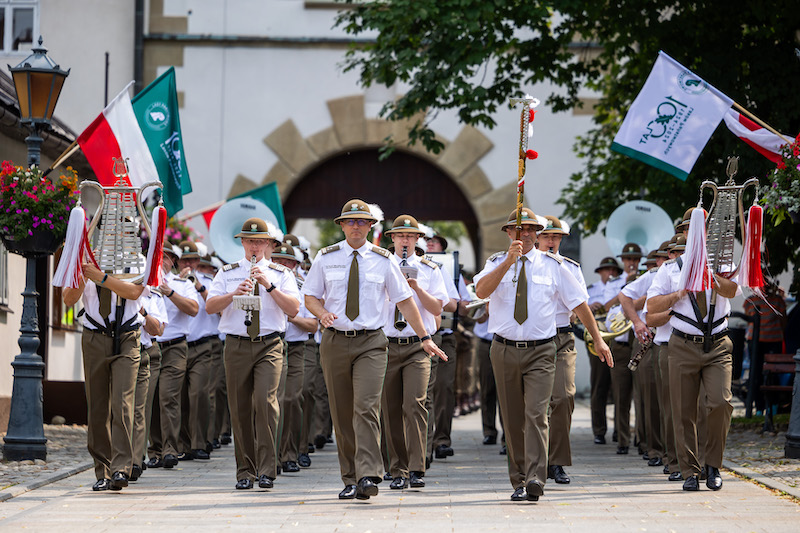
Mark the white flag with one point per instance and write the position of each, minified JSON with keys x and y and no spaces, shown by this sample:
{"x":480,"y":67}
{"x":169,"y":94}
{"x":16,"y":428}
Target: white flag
{"x":672,"y":118}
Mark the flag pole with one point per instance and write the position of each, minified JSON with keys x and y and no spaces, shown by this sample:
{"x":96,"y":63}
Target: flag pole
{"x":66,"y":154}
{"x":760,"y":122}
{"x":193,"y":214}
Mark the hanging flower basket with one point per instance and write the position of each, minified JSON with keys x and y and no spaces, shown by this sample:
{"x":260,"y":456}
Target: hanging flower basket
{"x":42,"y":242}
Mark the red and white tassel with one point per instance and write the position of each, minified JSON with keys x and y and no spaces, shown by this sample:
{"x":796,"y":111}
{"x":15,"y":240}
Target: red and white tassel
{"x":750,"y":274}
{"x":70,"y":267}
{"x":153,"y":273}
{"x":695,"y":274}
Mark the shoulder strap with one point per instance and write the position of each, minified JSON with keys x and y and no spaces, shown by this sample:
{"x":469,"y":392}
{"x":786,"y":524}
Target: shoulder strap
{"x":382,"y":251}
{"x":329,"y":249}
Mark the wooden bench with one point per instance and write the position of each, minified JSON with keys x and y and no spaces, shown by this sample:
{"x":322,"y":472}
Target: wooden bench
{"x":774,"y":364}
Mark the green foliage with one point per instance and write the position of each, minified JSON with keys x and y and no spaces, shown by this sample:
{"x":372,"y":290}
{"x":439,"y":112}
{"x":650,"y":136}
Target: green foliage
{"x":471,"y":56}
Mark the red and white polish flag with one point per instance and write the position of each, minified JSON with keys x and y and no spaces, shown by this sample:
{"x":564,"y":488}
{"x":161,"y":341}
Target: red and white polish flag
{"x":760,"y":139}
{"x":116,"y":133}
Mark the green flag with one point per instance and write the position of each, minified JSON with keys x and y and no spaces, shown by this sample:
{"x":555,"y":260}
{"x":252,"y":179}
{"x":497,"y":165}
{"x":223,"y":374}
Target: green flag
{"x":269,"y":196}
{"x":156,"y":110}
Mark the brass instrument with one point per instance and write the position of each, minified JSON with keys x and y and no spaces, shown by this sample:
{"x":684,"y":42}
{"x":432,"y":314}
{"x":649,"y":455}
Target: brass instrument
{"x":633,"y":364}
{"x":191,"y":276}
{"x":399,"y":320}
{"x":248,"y":302}
{"x":619,"y":326}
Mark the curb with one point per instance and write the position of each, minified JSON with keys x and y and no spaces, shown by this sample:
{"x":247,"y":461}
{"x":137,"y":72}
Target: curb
{"x":761,"y":478}
{"x":16,"y":490}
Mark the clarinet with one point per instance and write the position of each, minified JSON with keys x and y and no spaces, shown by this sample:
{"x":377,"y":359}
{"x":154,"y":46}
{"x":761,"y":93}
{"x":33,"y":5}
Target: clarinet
{"x":248,"y":318}
{"x":399,"y":320}
{"x":633,"y":364}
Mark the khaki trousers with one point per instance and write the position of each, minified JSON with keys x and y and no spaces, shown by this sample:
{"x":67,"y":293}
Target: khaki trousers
{"x":354,"y":369}
{"x":429,"y":404}
{"x":219,"y":418}
{"x":488,"y":388}
{"x":141,"y":418}
{"x":689,"y":367}
{"x":322,"y":423}
{"x":465,"y":367}
{"x":310,"y":365}
{"x":153,"y":415}
{"x":170,"y":388}
{"x":622,"y":383}
{"x":652,"y":410}
{"x":600,"y":381}
{"x":195,"y":402}
{"x":292,"y":403}
{"x":110,"y":390}
{"x":661,"y":353}
{"x":253,"y":372}
{"x":524,"y":386}
{"x":444,"y":392}
{"x":403,"y":405}
{"x":562,"y":402}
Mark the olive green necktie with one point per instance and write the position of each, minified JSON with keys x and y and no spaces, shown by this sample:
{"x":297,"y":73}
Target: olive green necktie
{"x":702,"y":303}
{"x":105,"y":301}
{"x":521,"y":301}
{"x":351,"y":307}
{"x":255,"y":320}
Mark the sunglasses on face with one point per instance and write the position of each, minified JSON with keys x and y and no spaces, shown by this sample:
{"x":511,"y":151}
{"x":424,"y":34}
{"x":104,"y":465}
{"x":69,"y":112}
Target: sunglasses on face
{"x":356,"y":222}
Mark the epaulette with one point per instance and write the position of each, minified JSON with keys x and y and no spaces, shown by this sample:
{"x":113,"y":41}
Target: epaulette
{"x":653,"y":270}
{"x":230,"y":266}
{"x":382,"y":251}
{"x":614,"y":279}
{"x":279,"y":268}
{"x":180,"y":279}
{"x":429,"y":258}
{"x":592,"y":285}
{"x":495,"y":256}
{"x":668,"y":261}
{"x":554,"y":256}
{"x":328,"y":249}
{"x":571,"y":261}
{"x":433,"y":264}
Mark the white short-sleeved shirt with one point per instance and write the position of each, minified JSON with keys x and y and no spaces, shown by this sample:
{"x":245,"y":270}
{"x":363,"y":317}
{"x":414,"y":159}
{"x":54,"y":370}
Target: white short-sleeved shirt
{"x":430,"y":279}
{"x":638,"y":288}
{"x":481,"y":330}
{"x":562,"y":313}
{"x":177,"y":320}
{"x":153,"y":303}
{"x":596,"y":291}
{"x":91,"y":305}
{"x":271,"y":317}
{"x":295,"y":333}
{"x":613,"y":286}
{"x":662,"y":332}
{"x":548,"y":281}
{"x":203,"y":325}
{"x":667,"y":281}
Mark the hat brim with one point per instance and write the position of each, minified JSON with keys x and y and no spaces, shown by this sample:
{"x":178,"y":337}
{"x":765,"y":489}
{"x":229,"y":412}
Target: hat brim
{"x":357,"y":215}
{"x":554,"y":231}
{"x":404,"y":230}
{"x":260,"y":235}
{"x":525,"y":222}
{"x":285,"y":256}
{"x":601,"y":267}
{"x":631,"y":256}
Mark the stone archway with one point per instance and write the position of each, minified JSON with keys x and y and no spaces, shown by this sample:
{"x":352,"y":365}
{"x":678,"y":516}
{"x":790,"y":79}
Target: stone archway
{"x":352,"y":131}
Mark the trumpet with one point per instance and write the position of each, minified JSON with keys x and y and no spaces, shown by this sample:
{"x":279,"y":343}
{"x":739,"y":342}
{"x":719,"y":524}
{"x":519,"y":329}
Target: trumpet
{"x":399,"y":320}
{"x":248,"y":302}
{"x":191,"y":276}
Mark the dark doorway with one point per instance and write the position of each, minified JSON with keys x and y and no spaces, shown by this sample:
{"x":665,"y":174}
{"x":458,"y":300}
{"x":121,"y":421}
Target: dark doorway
{"x":402,"y":183}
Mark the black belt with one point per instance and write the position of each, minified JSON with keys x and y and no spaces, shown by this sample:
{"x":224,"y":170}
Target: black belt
{"x":487,"y":341}
{"x":201,"y":340}
{"x":565,"y":329}
{"x":403,"y":340}
{"x":295,"y":343}
{"x":699,"y":339}
{"x":522,"y":344}
{"x":623,"y":343}
{"x":257,"y":339}
{"x":352,"y":332}
{"x":165,"y":344}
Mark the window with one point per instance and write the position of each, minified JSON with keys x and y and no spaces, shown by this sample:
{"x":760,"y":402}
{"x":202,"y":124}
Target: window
{"x":3,"y":277}
{"x":18,"y":24}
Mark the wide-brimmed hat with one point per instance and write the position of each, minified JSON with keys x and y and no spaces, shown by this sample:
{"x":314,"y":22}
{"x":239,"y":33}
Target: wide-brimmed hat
{"x":663,"y":249}
{"x":171,"y":249}
{"x":631,"y":250}
{"x":355,"y":208}
{"x":188,"y":250}
{"x":405,"y":224}
{"x":609,"y":262}
{"x":554,"y":225}
{"x":439,"y":238}
{"x":528,"y":217}
{"x":687,"y":217}
{"x":211,"y":260}
{"x":679,"y":245}
{"x":255,"y":228}
{"x":285,"y":251}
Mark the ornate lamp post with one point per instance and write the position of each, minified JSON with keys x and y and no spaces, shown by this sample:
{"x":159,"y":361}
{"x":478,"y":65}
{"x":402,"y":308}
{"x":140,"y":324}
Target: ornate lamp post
{"x":38,"y":82}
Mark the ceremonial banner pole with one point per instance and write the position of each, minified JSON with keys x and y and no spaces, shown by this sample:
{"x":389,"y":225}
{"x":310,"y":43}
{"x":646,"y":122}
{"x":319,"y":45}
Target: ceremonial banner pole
{"x":525,"y":131}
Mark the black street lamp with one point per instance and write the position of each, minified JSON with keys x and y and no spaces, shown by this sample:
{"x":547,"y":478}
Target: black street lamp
{"x":38,"y":82}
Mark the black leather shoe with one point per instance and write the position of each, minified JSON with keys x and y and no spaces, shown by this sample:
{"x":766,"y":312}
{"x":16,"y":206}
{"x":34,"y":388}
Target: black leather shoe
{"x":622,"y":450}
{"x":503,"y":450}
{"x":215,"y":444}
{"x":489,"y":440}
{"x":713,"y":480}
{"x":655,"y":461}
{"x":599,"y":439}
{"x":557,"y":472}
{"x":645,"y":456}
{"x":119,"y":481}
{"x":534,"y":489}
{"x":102,"y":484}
{"x":184,"y":456}
{"x":366,"y":488}
{"x":348,"y":493}
{"x":320,"y":441}
{"x":304,"y":460}
{"x":691,"y":483}
{"x":290,"y":466}
{"x":136,"y":473}
{"x":265,"y":482}
{"x":666,"y":470}
{"x":675,"y":476}
{"x":244,"y":484}
{"x":311,"y":448}
{"x":201,"y":454}
{"x":416,"y":480}
{"x":226,"y":439}
{"x":443,"y":451}
{"x":614,"y":436}
{"x":428,"y":461}
{"x":279,"y":469}
{"x":399,"y":483}
{"x":170,"y":460}
{"x":387,"y":477}
{"x":519,"y":495}
{"x":702,"y":473}
{"x":154,"y":462}
{"x":328,"y":440}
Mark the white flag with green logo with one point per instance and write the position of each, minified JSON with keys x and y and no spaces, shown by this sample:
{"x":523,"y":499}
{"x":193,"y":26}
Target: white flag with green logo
{"x":672,"y":118}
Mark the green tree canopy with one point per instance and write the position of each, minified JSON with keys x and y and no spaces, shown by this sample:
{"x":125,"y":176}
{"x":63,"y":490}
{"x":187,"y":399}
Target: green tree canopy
{"x":470,"y":56}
